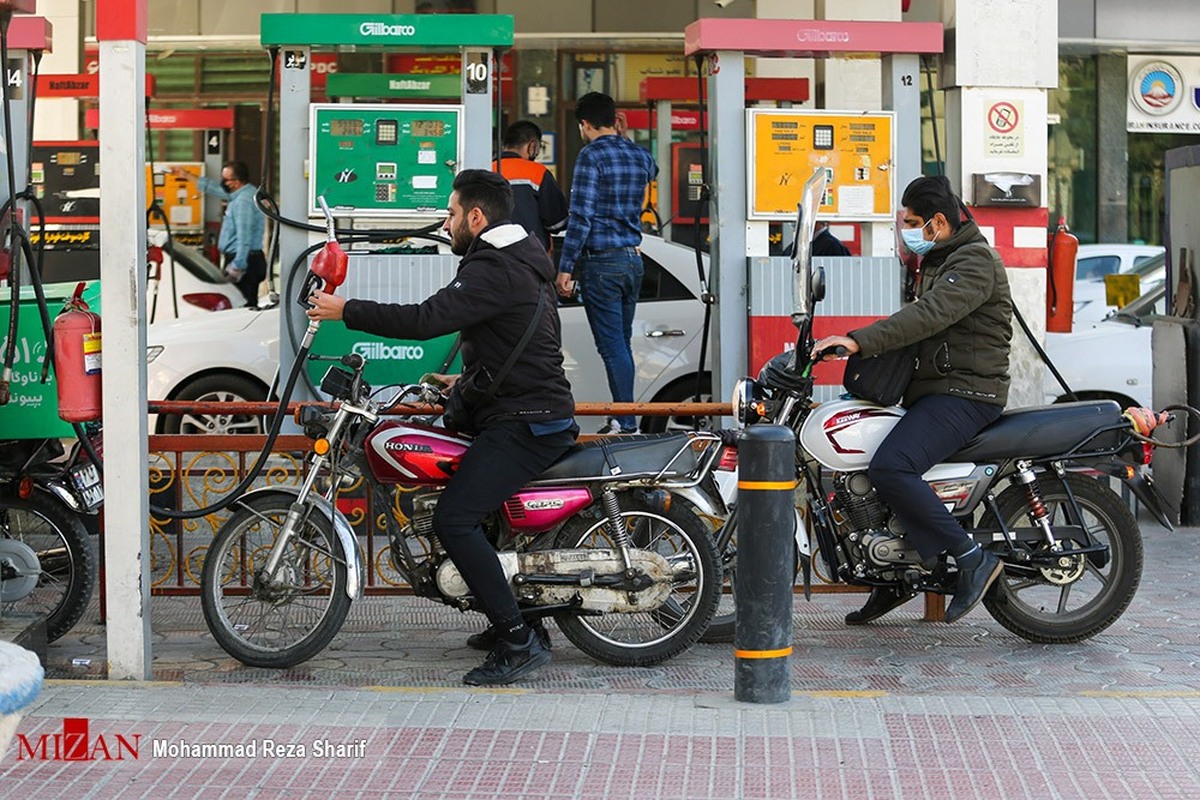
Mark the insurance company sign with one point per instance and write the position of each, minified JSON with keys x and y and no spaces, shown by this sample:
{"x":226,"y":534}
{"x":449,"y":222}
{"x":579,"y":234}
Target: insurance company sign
{"x":1164,"y":94}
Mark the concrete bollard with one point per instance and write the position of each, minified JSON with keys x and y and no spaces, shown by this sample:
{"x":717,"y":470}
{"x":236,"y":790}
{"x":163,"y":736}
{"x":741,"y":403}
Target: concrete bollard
{"x":762,"y":637}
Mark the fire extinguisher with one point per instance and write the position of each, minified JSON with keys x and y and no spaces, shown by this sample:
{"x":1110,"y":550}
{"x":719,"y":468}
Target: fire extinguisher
{"x":76,"y":334}
{"x":1062,"y":247}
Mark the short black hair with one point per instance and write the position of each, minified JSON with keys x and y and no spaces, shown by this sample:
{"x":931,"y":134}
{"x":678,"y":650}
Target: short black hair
{"x":486,"y":190}
{"x":522,"y":132}
{"x":239,"y":170}
{"x":928,"y":195}
{"x":597,"y":109}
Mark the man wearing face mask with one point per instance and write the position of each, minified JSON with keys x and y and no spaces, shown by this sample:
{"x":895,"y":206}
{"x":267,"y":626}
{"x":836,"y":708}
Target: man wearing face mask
{"x":524,"y":426}
{"x":538,"y":204}
{"x":241,"y":238}
{"x":962,"y":324}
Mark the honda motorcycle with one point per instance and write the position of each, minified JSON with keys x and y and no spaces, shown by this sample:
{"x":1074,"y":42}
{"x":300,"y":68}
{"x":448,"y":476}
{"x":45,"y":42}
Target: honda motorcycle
{"x":596,"y":541}
{"x":47,"y":565}
{"x":1035,"y":488}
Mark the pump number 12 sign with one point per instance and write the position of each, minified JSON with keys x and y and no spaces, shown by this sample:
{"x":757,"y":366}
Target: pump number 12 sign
{"x":856,"y":150}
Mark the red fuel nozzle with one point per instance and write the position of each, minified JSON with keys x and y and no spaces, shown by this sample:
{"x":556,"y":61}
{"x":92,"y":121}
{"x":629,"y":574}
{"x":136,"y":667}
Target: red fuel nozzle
{"x":329,"y":264}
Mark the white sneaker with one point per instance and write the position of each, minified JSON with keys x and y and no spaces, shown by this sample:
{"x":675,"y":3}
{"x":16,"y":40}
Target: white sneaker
{"x":611,"y":428}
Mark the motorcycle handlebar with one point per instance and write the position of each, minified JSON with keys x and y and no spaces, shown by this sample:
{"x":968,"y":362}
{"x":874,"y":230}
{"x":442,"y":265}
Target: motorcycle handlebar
{"x":836,"y":351}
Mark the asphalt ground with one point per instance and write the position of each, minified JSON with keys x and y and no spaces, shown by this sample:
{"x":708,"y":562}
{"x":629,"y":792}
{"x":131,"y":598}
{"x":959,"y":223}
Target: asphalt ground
{"x":900,"y":708}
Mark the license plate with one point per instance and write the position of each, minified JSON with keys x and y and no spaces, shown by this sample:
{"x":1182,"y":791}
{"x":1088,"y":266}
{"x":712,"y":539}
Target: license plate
{"x":86,"y":480}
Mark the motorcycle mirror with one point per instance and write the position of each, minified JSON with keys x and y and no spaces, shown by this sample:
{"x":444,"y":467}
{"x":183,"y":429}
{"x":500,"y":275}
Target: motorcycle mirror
{"x":818,"y":284}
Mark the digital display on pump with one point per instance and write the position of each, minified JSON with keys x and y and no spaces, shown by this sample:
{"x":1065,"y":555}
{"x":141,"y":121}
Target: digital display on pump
{"x":384,"y":159}
{"x":346,"y":127}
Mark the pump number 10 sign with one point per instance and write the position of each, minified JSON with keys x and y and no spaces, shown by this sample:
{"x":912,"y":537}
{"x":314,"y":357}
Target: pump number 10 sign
{"x":856,"y":150}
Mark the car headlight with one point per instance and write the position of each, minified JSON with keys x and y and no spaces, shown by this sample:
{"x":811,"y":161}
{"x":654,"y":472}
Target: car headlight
{"x":153,"y":352}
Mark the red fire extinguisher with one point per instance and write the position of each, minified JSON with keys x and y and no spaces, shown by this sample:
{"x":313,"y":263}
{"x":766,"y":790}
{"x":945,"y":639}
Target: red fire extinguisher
{"x":77,"y":360}
{"x":1062,"y":247}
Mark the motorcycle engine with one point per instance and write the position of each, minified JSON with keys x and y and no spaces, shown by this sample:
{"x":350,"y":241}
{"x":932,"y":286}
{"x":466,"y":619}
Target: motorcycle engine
{"x":871,"y":533}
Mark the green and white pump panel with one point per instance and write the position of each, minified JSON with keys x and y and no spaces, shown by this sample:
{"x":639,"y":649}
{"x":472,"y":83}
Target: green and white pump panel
{"x":384,"y":159}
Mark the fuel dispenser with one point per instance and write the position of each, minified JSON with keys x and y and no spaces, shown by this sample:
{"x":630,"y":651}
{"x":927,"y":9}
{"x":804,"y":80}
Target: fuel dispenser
{"x":764,"y":185}
{"x":377,"y":164}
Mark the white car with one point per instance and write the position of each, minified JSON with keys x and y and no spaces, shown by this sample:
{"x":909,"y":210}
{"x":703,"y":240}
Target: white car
{"x":235,"y":355}
{"x":182,"y":282}
{"x":1112,"y":360}
{"x":1095,"y":261}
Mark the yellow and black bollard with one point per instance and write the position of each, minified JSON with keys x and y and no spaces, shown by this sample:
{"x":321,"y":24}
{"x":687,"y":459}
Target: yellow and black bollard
{"x":763,"y":589}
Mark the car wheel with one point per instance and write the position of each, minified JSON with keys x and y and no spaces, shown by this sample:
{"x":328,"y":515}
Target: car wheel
{"x":223,"y":388}
{"x":681,"y":391}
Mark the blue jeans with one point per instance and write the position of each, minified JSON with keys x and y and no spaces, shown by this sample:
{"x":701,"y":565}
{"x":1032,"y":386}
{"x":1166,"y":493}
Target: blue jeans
{"x":611,"y":281}
{"x":936,"y":426}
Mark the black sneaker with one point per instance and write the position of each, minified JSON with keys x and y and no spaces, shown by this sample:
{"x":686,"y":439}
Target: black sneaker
{"x":508,"y":663}
{"x":882,"y":600}
{"x":486,"y":639}
{"x":973,"y":585}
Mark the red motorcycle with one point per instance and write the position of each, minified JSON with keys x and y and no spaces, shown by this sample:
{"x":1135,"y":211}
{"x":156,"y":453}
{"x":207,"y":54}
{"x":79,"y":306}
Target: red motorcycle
{"x":596,"y":542}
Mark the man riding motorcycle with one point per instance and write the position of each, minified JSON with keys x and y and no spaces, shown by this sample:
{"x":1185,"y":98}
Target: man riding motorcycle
{"x":962,"y":325}
{"x":523,"y":415}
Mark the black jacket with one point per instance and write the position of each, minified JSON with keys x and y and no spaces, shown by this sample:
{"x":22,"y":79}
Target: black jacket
{"x":491,"y":300}
{"x":962,"y":320}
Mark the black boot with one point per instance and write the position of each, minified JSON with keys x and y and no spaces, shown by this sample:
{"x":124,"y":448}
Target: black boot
{"x":973,"y":583}
{"x":882,"y":600}
{"x":486,"y":639}
{"x":509,"y":662}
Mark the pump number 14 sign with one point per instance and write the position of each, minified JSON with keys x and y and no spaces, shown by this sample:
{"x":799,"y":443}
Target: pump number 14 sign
{"x":856,"y":150}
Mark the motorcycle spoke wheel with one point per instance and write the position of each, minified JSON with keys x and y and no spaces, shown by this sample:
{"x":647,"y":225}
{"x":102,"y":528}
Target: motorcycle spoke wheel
{"x":63,"y":549}
{"x":648,"y":637}
{"x":282,"y":623}
{"x":1081,"y":597}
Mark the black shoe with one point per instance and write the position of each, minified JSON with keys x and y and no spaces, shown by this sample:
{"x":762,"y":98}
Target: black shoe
{"x":882,"y":600}
{"x":509,"y":662}
{"x":486,"y":639}
{"x":973,"y":585}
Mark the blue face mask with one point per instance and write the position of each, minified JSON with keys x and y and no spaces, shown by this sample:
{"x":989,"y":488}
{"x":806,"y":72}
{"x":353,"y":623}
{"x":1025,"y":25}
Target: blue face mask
{"x":915,"y":241}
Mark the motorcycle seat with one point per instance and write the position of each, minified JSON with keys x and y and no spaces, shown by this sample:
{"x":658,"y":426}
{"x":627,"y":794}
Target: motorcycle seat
{"x":626,"y":458}
{"x":1044,"y":431}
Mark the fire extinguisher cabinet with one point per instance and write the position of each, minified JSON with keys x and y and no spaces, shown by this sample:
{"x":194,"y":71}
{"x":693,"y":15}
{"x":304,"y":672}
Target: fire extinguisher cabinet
{"x":32,"y":411}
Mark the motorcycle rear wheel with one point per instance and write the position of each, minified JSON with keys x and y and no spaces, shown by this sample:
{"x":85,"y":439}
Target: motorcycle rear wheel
{"x":647,"y":637}
{"x":273,"y":626}
{"x":1078,"y":602}
{"x":64,"y":551}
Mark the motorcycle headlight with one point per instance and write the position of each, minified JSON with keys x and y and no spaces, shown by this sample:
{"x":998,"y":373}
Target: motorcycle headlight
{"x":745,"y":401}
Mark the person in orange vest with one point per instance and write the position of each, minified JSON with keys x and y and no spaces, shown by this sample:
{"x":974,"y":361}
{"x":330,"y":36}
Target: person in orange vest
{"x":539,"y":205}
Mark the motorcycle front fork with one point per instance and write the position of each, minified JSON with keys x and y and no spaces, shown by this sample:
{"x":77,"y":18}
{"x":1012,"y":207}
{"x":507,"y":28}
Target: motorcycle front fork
{"x":294,"y":518}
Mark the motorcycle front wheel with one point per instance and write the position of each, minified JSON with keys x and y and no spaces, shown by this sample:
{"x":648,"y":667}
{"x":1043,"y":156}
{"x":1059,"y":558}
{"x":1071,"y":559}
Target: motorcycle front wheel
{"x":284,"y":622}
{"x":643,"y":638}
{"x":1084,"y":595}
{"x":56,"y":536}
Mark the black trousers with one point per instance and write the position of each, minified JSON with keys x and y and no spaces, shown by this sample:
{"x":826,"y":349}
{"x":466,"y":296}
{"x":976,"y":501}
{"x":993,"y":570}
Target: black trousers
{"x":502,"y":459}
{"x":935,"y":427}
{"x":256,"y":273}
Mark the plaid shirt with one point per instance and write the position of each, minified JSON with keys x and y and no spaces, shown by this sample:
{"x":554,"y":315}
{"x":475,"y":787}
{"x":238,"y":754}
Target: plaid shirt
{"x":607,"y":189}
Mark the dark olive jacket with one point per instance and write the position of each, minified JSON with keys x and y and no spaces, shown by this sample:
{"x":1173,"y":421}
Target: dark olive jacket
{"x":961,"y":320}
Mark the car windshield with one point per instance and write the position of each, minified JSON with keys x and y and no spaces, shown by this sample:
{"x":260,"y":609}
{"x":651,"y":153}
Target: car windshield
{"x":194,"y":262}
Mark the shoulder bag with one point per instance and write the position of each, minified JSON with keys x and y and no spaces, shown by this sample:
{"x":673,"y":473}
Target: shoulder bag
{"x":882,"y":378}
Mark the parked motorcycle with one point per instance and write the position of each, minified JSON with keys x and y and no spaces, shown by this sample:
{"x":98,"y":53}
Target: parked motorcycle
{"x":1033,"y":487}
{"x":47,"y":563}
{"x":596,"y":542}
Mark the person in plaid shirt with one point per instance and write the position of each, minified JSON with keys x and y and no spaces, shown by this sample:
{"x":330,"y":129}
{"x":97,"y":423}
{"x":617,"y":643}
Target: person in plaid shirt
{"x":603,"y":233}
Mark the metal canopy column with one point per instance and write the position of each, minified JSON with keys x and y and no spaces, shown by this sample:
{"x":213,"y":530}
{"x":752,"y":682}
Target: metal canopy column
{"x":730,"y":40}
{"x":121,"y":30}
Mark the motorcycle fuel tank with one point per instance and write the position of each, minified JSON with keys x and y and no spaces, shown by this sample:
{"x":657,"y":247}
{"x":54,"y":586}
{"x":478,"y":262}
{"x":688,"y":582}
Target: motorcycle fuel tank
{"x":412,"y":453}
{"x":844,"y":434}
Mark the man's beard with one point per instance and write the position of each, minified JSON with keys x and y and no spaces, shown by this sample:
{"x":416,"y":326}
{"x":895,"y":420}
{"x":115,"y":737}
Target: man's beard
{"x":461,"y":239}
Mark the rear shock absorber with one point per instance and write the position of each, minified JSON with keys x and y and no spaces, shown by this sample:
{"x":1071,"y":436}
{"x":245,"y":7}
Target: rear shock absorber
{"x":1038,"y":513}
{"x":616,"y":524}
